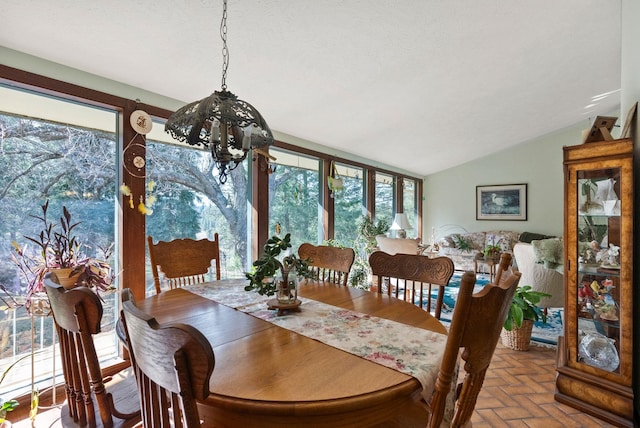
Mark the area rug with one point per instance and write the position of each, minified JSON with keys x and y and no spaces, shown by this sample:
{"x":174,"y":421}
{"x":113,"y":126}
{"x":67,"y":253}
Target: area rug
{"x":543,"y":333}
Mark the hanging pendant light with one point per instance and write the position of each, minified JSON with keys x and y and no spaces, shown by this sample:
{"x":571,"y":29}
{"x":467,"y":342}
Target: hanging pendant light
{"x":229,"y":127}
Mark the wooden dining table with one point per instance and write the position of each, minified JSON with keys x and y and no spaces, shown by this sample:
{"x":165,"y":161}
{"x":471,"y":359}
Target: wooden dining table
{"x":269,"y":376}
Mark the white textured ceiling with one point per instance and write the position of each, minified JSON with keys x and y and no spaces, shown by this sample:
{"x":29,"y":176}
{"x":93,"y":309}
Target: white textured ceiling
{"x":422,"y":85}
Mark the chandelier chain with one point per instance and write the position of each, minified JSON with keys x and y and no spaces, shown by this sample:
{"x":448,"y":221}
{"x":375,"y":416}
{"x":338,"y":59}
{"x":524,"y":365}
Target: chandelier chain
{"x":229,"y":127}
{"x":225,"y":49}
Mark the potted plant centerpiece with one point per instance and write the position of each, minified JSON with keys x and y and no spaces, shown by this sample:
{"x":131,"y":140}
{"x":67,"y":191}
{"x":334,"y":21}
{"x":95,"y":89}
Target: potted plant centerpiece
{"x":518,"y":325}
{"x":274,"y":275}
{"x":60,"y":251}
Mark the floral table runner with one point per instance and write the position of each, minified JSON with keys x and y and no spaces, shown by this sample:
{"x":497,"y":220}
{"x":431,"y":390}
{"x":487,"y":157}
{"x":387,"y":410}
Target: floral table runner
{"x":410,"y":350}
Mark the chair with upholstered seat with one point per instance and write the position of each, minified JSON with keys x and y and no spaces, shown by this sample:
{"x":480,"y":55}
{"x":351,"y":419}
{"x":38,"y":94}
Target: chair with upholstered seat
{"x":173,"y":365}
{"x":183,"y":261}
{"x":90,"y":397}
{"x":475,"y":328}
{"x":413,"y":275}
{"x":329,"y":264}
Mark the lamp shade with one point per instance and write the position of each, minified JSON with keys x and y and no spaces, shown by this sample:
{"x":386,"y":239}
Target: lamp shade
{"x":401,"y":222}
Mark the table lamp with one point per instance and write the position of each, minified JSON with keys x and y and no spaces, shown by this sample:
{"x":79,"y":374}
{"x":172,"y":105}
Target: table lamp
{"x":400,"y":225}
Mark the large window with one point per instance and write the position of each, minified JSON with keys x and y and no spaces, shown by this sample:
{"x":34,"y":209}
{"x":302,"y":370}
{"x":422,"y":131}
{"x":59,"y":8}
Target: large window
{"x":409,"y":205}
{"x":69,"y":153}
{"x":349,"y":204}
{"x":385,"y":208}
{"x":64,"y":153}
{"x":190,"y":202}
{"x":294,"y":197}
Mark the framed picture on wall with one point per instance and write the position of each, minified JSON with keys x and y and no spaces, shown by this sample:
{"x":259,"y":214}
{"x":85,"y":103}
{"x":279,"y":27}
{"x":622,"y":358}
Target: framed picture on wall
{"x":501,"y":202}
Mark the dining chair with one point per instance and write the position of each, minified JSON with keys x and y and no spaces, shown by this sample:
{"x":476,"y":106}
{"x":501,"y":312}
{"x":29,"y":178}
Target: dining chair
{"x":183,"y":261}
{"x":475,"y":328}
{"x":413,"y":275}
{"x":77,"y":314}
{"x":329,"y":264}
{"x":172,"y":363}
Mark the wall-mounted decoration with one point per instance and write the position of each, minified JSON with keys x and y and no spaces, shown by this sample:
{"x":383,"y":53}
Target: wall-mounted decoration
{"x":334,"y":180}
{"x":141,"y":122}
{"x":501,"y":202}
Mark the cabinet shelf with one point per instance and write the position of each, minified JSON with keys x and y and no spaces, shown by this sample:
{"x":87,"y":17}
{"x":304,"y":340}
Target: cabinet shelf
{"x":600,"y":273}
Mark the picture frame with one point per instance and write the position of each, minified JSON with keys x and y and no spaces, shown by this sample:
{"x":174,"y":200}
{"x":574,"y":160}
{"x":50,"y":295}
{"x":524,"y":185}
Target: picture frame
{"x":601,"y":129}
{"x":501,"y":202}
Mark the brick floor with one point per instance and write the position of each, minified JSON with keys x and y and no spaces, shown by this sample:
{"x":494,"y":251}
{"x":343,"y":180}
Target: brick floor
{"x":517,"y":392}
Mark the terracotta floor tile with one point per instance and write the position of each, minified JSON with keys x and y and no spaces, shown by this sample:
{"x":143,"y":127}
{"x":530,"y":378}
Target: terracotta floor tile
{"x":517,"y":393}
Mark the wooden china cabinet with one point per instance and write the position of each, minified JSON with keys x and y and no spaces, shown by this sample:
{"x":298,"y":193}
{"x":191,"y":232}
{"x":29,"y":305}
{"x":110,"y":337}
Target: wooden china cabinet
{"x":595,"y":356}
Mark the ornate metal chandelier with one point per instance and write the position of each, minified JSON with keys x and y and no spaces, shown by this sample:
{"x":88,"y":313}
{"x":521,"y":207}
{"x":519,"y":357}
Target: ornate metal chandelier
{"x":228,"y":126}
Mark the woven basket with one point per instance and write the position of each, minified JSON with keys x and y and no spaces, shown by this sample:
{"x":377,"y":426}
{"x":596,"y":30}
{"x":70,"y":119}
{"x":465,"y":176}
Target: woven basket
{"x":518,"y":338}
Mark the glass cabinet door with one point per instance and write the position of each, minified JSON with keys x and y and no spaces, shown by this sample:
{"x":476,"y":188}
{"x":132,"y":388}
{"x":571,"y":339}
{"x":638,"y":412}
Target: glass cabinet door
{"x":598,"y":275}
{"x":595,"y":355}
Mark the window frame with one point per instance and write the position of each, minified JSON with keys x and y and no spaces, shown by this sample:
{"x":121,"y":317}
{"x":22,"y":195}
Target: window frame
{"x":132,"y":225}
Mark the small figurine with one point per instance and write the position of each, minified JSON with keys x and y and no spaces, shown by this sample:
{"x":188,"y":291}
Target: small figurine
{"x":613,"y":252}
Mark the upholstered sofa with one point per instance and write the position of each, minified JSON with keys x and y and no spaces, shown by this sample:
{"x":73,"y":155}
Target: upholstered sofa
{"x":463,"y":258}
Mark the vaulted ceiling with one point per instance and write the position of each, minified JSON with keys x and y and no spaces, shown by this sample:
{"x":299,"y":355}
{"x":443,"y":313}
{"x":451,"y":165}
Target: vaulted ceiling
{"x":422,"y":85}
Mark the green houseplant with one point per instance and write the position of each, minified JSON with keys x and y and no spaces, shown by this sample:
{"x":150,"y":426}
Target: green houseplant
{"x":59,"y":250}
{"x":271,"y":273}
{"x":364,"y":245}
{"x":492,"y":252}
{"x":5,"y":407}
{"x":516,"y":332}
{"x":8,"y":405}
{"x":462,"y":243}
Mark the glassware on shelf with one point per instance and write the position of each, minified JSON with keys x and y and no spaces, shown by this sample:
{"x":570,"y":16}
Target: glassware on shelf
{"x":599,"y":351}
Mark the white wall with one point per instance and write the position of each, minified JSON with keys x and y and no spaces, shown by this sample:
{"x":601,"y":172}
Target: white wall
{"x":630,"y":75}
{"x":450,"y":196}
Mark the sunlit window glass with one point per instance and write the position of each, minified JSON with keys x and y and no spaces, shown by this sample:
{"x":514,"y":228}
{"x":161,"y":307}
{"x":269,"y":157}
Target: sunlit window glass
{"x":348,"y":204}
{"x":65,"y":153}
{"x":409,"y":202}
{"x":294,"y":197}
{"x":384,"y":198}
{"x":189,"y":202}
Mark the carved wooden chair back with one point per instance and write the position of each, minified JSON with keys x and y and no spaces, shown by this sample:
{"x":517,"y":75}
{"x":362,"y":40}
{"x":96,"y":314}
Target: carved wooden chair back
{"x":329,"y":264}
{"x":173,"y":365}
{"x":77,"y":314}
{"x":183,"y":261}
{"x":411,"y":277}
{"x":475,"y":328}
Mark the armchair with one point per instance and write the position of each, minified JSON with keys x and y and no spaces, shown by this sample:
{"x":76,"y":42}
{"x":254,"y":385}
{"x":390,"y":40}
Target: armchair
{"x":397,"y":245}
{"x":539,"y":277}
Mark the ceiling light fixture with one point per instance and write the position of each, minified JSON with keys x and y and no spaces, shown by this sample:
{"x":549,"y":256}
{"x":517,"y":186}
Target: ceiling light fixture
{"x":228,"y":126}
